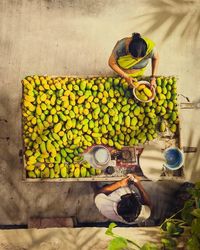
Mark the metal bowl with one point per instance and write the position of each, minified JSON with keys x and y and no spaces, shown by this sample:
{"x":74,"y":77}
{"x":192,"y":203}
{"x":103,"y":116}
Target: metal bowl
{"x":148,"y":85}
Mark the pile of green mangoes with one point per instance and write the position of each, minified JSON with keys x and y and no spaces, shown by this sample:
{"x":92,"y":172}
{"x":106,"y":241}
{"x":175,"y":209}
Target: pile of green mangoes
{"x":62,"y":116}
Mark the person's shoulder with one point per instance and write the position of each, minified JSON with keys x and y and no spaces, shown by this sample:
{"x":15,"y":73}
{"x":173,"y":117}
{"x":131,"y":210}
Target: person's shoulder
{"x":120,"y":47}
{"x":124,"y":41}
{"x":121,"y":43}
{"x":153,"y":53}
{"x":100,"y":199}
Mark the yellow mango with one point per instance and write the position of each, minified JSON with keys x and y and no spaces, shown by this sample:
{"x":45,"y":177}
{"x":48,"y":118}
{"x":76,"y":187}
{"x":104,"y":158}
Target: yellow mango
{"x":29,"y":98}
{"x":83,"y":172}
{"x":30,"y":167}
{"x":117,"y":145}
{"x":63,"y":172}
{"x":147,"y":92}
{"x":106,"y":119}
{"x":77,"y":173}
{"x":43,"y":97}
{"x":57,"y":127}
{"x":141,"y":87}
{"x":81,"y":99}
{"x":38,"y":110}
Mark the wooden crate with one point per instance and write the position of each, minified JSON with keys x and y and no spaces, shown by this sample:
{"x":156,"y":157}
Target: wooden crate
{"x":102,"y":177}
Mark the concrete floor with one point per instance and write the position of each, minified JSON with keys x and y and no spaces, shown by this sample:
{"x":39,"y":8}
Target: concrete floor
{"x":75,"y":38}
{"x":71,"y":238}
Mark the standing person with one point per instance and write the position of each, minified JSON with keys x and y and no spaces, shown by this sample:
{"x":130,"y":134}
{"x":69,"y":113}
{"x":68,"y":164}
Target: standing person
{"x":131,"y":55}
{"x":144,"y":203}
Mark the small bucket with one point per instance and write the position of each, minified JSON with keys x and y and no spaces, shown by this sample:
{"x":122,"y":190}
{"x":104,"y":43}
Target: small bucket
{"x":174,"y":158}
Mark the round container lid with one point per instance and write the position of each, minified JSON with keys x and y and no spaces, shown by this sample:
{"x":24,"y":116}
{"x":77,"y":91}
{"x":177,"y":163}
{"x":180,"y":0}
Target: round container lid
{"x":151,"y":161}
{"x":101,"y":156}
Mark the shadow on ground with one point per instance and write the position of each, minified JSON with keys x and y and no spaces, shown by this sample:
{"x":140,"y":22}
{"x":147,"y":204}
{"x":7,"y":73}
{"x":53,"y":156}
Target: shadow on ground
{"x":171,"y":16}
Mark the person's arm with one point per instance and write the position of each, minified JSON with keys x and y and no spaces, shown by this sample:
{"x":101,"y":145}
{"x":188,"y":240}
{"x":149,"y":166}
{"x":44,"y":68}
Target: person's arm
{"x":107,"y":189}
{"x":113,"y":64}
{"x":143,"y":193}
{"x":154,"y":63}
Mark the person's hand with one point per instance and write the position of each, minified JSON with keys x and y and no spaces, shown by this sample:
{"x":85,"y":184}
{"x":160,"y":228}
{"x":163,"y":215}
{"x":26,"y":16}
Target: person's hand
{"x":133,"y":177}
{"x":129,"y":80}
{"x":153,"y":82}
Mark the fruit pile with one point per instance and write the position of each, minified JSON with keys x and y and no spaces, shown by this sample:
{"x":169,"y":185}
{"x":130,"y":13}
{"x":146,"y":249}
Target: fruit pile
{"x":62,"y":116}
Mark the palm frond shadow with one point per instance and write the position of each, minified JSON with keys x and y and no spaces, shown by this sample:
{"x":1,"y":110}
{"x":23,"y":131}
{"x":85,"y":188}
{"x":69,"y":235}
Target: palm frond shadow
{"x":84,"y":239}
{"x":183,"y":17}
{"x":85,"y":202}
{"x":193,"y":162}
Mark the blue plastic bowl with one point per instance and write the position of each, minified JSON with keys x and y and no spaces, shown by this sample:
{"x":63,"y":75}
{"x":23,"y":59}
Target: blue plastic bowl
{"x":174,"y":158}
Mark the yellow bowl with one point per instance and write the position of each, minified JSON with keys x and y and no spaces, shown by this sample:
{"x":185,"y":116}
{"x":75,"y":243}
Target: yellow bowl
{"x":148,"y":85}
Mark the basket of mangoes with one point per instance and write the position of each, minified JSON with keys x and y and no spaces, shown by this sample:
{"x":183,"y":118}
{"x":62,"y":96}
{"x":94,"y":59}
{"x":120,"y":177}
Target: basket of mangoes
{"x":143,"y":92}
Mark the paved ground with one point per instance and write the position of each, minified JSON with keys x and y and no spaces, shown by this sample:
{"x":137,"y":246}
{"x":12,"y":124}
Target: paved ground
{"x":70,"y":239}
{"x":76,"y":37}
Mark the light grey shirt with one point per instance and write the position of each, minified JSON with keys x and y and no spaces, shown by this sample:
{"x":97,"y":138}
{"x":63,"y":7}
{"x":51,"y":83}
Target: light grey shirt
{"x":107,"y":205}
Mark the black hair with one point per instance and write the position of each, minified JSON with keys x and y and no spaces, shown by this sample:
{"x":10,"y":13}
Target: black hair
{"x":137,"y":46}
{"x":129,"y":207}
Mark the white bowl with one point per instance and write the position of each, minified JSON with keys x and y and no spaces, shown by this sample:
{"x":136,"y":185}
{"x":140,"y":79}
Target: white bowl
{"x":98,"y":157}
{"x":147,"y":84}
{"x":101,"y":156}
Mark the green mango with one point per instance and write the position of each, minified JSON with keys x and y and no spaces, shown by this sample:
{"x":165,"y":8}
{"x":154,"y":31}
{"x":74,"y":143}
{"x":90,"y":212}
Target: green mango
{"x":63,"y":172}
{"x":77,"y":172}
{"x":162,"y":127}
{"x":83,"y":85}
{"x":173,"y":116}
{"x":137,"y":111}
{"x":63,"y":152}
{"x":125,"y":108}
{"x":158,"y":89}
{"x":52,"y":173}
{"x":173,"y":128}
{"x":110,"y":142}
{"x":149,"y":137}
{"x":106,"y":119}
{"x":170,"y":105}
{"x":58,"y":158}
{"x":107,"y":85}
{"x":45,"y":173}
{"x":83,"y":172}
{"x":127,"y":121}
{"x":31,"y":174}
{"x":92,"y":171}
